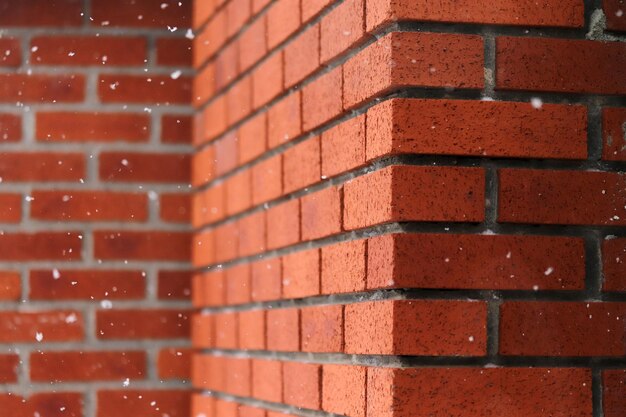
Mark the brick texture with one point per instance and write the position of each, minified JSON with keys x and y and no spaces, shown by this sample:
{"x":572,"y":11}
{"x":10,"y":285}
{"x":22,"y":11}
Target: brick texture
{"x":364,"y":208}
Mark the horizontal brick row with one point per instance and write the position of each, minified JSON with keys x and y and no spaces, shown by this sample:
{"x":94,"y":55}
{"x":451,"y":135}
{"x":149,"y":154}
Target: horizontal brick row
{"x":111,"y":324}
{"x":436,"y":328}
{"x":343,"y":389}
{"x":504,"y":262}
{"x":83,"y":284}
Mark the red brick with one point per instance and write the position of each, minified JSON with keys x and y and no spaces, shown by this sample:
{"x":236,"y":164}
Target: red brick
{"x":247,"y":411}
{"x":252,"y":234}
{"x":343,"y":267}
{"x":82,"y":284}
{"x":11,"y":54}
{"x":239,"y":100}
{"x":226,"y":333}
{"x":343,"y":147}
{"x":237,"y":13}
{"x":322,"y":99}
{"x":414,"y":193}
{"x":476,"y":128}
{"x":252,"y":330}
{"x":560,"y":65}
{"x":416,"y":327}
{"x":227,"y":65}
{"x":283,"y":224}
{"x":142,"y":245}
{"x":301,"y":165}
{"x":613,"y":392}
{"x":66,"y":404}
{"x":174,"y":285}
{"x":342,"y":28}
{"x":176,"y":129}
{"x":202,"y":331}
{"x":174,"y":363}
{"x":87,"y":366}
{"x":153,"y":14}
{"x":615,"y":17}
{"x":321,"y":213}
{"x":202,"y":404}
{"x":203,"y":166}
{"x":267,"y":79}
{"x":10,"y":286}
{"x":42,"y":88}
{"x":252,"y":44}
{"x":211,"y":39}
{"x":145,"y":402}
{"x":175,"y":208}
{"x":614,"y":133}
{"x":41,"y":166}
{"x":41,"y":13}
{"x":101,"y":127}
{"x":322,"y":329}
{"x":302,"y":385}
{"x":225,"y":408}
{"x":562,"y":329}
{"x":267,"y":380}
{"x":204,"y":85}
{"x":258,"y":5}
{"x":208,"y":289}
{"x":284,"y":120}
{"x":267,"y":180}
{"x":202,"y":10}
{"x":152,"y":90}
{"x":212,"y":121}
{"x":50,"y":326}
{"x":40,"y":246}
{"x":302,"y":56}
{"x":283,"y":330}
{"x":208,"y":205}
{"x":252,"y":138}
{"x":203,"y":250}
{"x":10,"y":208}
{"x":207,"y":372}
{"x":174,"y":52}
{"x":614,"y":264}
{"x":8,"y":368}
{"x":237,"y":377}
{"x":266,"y":280}
{"x":562,"y":197}
{"x":420,"y":60}
{"x":142,"y":324}
{"x":226,"y":153}
{"x":569,"y":13}
{"x":301,"y":274}
{"x":283,"y":18}
{"x":237,"y":280}
{"x":10,"y":128}
{"x":532,"y":392}
{"x":72,"y":205}
{"x":343,"y":389}
{"x":311,"y":8}
{"x":238,"y":192}
{"x":88,"y":50}
{"x":144,"y":167}
{"x":227,"y":235}
{"x":496,"y":262}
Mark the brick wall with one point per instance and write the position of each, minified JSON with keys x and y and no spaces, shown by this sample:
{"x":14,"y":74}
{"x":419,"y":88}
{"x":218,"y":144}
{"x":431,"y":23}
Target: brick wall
{"x":409,"y":208}
{"x":95,"y":130}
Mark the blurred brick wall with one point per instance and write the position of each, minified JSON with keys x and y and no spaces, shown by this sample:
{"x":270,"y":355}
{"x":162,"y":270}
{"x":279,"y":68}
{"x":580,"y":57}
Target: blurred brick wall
{"x":409,"y":208}
{"x":95,"y":129}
